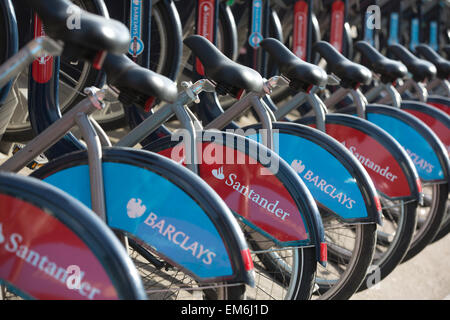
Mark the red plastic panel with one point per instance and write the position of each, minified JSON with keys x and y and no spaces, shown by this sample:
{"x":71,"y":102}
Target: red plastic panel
{"x":382,"y":167}
{"x":36,"y":251}
{"x":259,"y":198}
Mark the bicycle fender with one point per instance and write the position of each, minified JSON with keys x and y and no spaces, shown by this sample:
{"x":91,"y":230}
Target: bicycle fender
{"x":426,"y":150}
{"x":338,"y":182}
{"x":44,"y":232}
{"x":274,"y":202}
{"x":391,"y":170}
{"x":151,"y":199}
{"x":438,"y":121}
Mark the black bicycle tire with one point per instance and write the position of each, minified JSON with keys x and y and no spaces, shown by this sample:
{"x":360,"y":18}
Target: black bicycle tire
{"x":358,"y":274}
{"x":83,"y":222}
{"x":433,"y":225}
{"x":171,"y":67}
{"x":304,"y":288}
{"x":400,"y":249}
{"x":443,"y":230}
{"x":125,"y":155}
{"x":174,"y":35}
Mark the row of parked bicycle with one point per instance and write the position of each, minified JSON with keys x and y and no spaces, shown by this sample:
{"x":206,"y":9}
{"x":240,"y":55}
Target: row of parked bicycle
{"x":282,"y":179}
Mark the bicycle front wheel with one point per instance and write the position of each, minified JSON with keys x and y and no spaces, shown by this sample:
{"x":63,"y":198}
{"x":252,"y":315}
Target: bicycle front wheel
{"x":140,"y":188}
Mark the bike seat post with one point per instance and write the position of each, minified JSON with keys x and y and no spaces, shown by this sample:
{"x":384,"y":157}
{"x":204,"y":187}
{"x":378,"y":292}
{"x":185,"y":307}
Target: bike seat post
{"x":266,"y":119}
{"x":393,"y":96}
{"x":421,"y":91}
{"x":189,"y":133}
{"x":360,"y":102}
{"x":319,"y":109}
{"x":94,"y":151}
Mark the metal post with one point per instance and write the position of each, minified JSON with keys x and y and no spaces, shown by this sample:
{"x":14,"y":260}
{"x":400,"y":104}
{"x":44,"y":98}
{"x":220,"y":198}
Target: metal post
{"x":190,"y":151}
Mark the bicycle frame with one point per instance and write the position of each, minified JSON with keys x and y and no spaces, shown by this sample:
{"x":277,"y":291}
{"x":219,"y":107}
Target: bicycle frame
{"x":190,"y":122}
{"x":95,"y":139}
{"x":79,"y":115}
{"x":12,"y":40}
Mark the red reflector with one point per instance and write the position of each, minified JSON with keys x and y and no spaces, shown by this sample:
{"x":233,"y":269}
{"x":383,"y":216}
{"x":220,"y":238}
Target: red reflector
{"x":378,"y":204}
{"x":419,"y":185}
{"x":247,"y":257}
{"x":309,"y":89}
{"x":240,"y":94}
{"x":149,"y":104}
{"x":357,"y":86}
{"x":99,"y":59}
{"x":323,"y":252}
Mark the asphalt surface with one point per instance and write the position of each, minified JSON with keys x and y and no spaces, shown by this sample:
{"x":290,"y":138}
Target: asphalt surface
{"x":424,"y":277}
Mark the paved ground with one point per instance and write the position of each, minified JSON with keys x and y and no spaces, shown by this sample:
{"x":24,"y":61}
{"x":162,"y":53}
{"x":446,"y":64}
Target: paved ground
{"x":425,"y":277}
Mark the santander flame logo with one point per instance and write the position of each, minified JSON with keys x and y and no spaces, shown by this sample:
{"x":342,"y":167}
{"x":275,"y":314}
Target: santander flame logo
{"x":135,"y":209}
{"x":218,"y":173}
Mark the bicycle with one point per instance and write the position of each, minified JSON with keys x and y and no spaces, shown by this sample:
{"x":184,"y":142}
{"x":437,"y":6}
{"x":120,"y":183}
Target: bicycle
{"x":435,"y":119}
{"x":402,"y":127}
{"x":211,"y":59}
{"x":39,"y":269}
{"x":360,"y":137}
{"x":225,"y":241}
{"x":38,"y":258}
{"x":291,"y":193}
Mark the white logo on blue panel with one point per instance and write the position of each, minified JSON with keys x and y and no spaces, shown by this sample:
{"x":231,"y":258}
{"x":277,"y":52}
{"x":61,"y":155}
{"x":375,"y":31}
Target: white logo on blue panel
{"x":256,"y":36}
{"x":135,"y":208}
{"x":136,"y":45}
